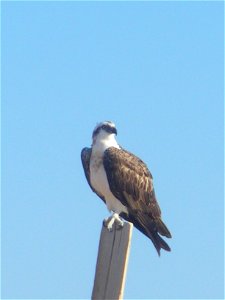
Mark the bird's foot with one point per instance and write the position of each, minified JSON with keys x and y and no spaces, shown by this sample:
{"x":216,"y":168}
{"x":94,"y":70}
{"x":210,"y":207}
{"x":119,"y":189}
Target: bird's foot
{"x":108,"y":223}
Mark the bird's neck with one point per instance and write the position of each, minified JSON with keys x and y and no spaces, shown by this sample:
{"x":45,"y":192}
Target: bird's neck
{"x":101,"y":143}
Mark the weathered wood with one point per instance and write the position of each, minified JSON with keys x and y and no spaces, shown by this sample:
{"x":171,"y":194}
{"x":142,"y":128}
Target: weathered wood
{"x":113,"y":254}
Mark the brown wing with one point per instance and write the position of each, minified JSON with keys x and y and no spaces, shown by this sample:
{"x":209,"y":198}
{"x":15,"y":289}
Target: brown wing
{"x":85,"y":158}
{"x":131,"y":182}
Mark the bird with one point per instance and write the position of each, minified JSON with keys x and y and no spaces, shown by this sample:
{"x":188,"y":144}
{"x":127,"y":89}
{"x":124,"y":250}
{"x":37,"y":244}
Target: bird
{"x":123,"y":181}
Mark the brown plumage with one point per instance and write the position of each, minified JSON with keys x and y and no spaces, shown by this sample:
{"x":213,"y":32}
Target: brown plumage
{"x":131,"y":182}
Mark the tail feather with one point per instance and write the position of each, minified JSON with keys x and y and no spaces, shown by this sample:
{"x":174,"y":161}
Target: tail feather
{"x":159,"y":243}
{"x":162,"y":229}
{"x":151,"y":230}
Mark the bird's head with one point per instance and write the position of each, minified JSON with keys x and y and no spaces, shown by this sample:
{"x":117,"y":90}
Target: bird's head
{"x":104,"y":131}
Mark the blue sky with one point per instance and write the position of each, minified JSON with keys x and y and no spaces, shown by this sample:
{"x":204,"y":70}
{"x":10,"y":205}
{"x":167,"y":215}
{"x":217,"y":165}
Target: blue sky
{"x":156,"y":70}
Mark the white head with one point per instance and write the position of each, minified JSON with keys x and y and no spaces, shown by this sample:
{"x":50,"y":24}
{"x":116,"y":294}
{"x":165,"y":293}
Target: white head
{"x":104,"y":135}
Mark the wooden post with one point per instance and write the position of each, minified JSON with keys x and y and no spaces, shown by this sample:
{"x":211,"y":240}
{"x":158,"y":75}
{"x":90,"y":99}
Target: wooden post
{"x":112,"y":262}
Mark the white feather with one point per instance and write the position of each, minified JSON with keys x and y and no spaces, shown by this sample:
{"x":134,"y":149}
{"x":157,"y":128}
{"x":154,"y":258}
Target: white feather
{"x":98,"y":175}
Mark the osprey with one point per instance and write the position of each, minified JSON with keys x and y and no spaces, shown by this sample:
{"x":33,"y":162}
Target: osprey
{"x":124,"y":183}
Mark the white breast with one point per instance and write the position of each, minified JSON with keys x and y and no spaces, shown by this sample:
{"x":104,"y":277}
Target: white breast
{"x":100,"y":183}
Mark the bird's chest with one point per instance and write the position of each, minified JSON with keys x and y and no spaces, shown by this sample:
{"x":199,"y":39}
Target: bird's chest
{"x":98,"y":176}
{"x":100,"y":183}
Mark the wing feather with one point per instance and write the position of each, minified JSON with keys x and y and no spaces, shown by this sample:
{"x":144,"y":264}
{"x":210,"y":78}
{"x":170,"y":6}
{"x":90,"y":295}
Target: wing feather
{"x":132,"y":183}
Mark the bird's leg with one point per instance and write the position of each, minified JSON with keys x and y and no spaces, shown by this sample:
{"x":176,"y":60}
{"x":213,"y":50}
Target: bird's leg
{"x":108,"y":223}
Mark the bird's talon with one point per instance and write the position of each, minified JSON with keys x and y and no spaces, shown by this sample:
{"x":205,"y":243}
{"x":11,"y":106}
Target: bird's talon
{"x":114,"y":219}
{"x":119,"y":226}
{"x":108,"y":223}
{"x":110,"y":228}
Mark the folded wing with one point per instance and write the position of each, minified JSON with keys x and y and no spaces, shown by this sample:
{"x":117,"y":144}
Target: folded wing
{"x":131,"y":182}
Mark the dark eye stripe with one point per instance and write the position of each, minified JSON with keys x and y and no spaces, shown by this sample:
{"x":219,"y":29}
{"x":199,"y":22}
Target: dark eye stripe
{"x":106,"y":127}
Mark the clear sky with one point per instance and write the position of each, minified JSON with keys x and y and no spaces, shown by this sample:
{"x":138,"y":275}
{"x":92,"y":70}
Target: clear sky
{"x":156,"y":70}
